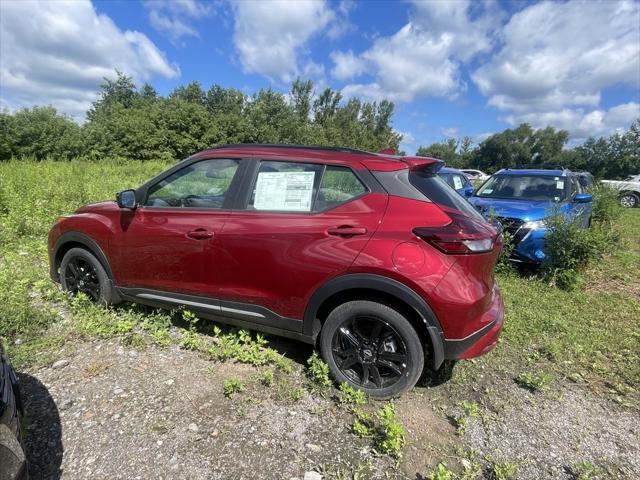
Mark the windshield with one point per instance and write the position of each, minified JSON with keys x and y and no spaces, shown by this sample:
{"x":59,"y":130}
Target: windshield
{"x":525,"y":187}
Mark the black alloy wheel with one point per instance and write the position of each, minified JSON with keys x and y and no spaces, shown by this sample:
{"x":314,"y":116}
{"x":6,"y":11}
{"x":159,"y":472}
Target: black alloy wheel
{"x":369,"y":352}
{"x":372,"y":347}
{"x":80,"y":276}
{"x":80,"y":271}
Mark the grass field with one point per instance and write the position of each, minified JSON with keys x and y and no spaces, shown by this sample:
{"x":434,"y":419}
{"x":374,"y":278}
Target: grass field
{"x":589,"y":336}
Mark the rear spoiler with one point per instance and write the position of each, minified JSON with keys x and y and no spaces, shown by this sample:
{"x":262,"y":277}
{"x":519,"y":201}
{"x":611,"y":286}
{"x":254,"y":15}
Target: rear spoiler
{"x":424,"y":164}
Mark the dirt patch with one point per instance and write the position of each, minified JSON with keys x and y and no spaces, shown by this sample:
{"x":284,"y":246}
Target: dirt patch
{"x":161,"y":413}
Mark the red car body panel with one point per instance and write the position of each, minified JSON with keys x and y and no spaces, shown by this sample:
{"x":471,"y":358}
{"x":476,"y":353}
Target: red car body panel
{"x":281,"y":261}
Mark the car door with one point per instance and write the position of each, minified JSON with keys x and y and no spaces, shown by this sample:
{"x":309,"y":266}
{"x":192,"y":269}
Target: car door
{"x":303,"y":223}
{"x":580,"y":211}
{"x":169,"y":242}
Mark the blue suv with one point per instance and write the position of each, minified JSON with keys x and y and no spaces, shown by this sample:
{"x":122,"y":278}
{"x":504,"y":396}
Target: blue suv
{"x":523,"y":199}
{"x":457,"y":180}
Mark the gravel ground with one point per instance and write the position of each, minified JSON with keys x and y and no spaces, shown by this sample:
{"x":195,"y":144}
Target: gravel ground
{"x":100,"y":411}
{"x":161,"y":413}
{"x":547,"y":436}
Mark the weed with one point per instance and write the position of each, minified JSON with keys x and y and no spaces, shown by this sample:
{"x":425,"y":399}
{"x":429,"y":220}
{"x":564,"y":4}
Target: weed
{"x":586,"y":471}
{"x":471,"y":409}
{"x":318,"y":373}
{"x":266,"y":378}
{"x":350,"y":397}
{"x":390,"y":438}
{"x":190,"y":318}
{"x":505,"y":470}
{"x":286,"y":392}
{"x":441,"y":473}
{"x":190,"y":340}
{"x":534,"y":382}
{"x":362,"y":425}
{"x":232,"y":386}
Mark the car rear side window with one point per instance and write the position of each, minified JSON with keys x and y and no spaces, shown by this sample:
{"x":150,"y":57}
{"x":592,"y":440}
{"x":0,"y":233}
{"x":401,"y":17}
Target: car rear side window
{"x":339,"y":185}
{"x":285,"y":186}
{"x":439,"y":191}
{"x":199,"y":185}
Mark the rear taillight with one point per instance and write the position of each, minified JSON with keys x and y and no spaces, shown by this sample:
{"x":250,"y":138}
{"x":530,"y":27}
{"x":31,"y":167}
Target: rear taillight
{"x":463,"y":236}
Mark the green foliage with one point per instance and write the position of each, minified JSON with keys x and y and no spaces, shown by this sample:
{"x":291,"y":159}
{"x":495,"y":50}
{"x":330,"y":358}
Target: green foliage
{"x":606,"y":209}
{"x":139,"y":124}
{"x":442,"y":473}
{"x":390,"y":438}
{"x":232,"y":386}
{"x":266,"y":378}
{"x":570,"y":249}
{"x":318,"y":372}
{"x":505,"y":470}
{"x":471,"y":409}
{"x":350,"y":397}
{"x":534,"y":382}
{"x":244,"y":347}
{"x":586,"y":471}
{"x":190,"y":318}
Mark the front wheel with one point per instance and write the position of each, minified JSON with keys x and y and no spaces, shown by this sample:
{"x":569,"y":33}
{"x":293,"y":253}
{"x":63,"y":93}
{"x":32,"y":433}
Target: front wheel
{"x":629,"y":200}
{"x":80,"y":271}
{"x":372,"y":347}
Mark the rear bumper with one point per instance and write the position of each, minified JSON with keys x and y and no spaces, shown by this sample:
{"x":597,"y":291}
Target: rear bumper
{"x":482,"y":340}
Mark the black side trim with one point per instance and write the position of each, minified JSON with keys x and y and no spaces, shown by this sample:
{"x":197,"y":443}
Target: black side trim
{"x":87,"y":242}
{"x":376,"y":282}
{"x":239,"y":314}
{"x":454,"y":348}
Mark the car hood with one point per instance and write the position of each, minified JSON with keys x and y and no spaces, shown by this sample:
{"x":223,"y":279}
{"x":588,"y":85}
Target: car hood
{"x":526,"y":210}
{"x":98,"y":207}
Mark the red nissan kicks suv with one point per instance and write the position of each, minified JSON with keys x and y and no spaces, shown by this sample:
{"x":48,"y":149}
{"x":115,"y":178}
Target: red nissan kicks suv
{"x":371,"y":256}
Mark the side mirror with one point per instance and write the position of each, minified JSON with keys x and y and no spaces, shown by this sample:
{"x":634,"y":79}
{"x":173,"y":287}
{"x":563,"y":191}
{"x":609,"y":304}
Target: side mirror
{"x":583,"y":198}
{"x":126,"y":199}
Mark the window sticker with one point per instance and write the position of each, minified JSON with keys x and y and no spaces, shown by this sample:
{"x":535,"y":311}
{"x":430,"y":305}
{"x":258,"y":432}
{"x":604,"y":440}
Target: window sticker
{"x":288,"y":191}
{"x":457,"y":182}
{"x":560,"y":184}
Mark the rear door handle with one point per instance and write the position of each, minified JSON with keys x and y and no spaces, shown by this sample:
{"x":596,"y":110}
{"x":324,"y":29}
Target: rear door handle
{"x":199,"y":234}
{"x":346,"y":231}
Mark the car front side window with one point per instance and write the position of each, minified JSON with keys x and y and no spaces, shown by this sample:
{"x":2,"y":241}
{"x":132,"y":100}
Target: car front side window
{"x":201,"y":185}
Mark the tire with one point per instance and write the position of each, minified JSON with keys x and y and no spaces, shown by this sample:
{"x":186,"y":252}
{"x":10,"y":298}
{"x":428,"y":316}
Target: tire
{"x":373,"y":348}
{"x":92,"y":278}
{"x":13,"y":462}
{"x":629,"y":200}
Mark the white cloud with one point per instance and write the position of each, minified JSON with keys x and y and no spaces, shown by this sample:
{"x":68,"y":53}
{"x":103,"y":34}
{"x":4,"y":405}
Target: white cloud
{"x":271,"y":36}
{"x":172,"y":17}
{"x":582,"y":123}
{"x":347,"y":65}
{"x":340,"y":24}
{"x":450,"y":132}
{"x":556,"y":59}
{"x":423,"y":58}
{"x":59,"y":52}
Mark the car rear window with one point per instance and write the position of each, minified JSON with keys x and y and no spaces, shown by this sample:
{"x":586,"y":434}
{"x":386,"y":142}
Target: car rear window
{"x":439,"y":191}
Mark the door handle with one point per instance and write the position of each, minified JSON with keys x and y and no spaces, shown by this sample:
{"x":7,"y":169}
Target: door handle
{"x":199,"y":234}
{"x":346,"y":231}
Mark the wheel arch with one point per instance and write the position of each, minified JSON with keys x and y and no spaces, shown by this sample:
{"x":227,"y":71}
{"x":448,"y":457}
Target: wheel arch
{"x":70,"y":240}
{"x":380,"y":289}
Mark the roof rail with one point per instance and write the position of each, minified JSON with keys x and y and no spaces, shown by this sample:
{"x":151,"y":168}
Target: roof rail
{"x":276,"y":145}
{"x":538,"y":166}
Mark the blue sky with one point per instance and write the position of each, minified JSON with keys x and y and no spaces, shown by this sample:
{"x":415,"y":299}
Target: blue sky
{"x":453,"y":67}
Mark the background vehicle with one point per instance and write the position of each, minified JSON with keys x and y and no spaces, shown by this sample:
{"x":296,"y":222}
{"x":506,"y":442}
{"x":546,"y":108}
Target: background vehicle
{"x":374,"y":257}
{"x":457,"y":180}
{"x":13,"y":464}
{"x":522,"y":199}
{"x":475,"y":174}
{"x":629,"y":190}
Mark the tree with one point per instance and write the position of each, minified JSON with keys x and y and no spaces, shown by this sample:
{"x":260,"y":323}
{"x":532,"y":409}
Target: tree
{"x":446,"y":151}
{"x":121,"y":91}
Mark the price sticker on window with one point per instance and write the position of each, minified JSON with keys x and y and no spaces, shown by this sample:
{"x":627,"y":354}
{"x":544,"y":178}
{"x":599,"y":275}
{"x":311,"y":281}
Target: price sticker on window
{"x":284,"y":191}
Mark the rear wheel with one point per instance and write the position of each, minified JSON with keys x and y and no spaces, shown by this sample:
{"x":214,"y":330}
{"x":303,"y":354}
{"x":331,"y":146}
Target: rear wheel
{"x":80,"y":271}
{"x":629,"y":200}
{"x":372,"y":347}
